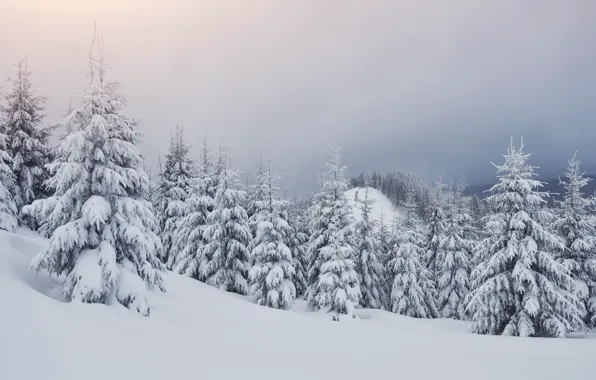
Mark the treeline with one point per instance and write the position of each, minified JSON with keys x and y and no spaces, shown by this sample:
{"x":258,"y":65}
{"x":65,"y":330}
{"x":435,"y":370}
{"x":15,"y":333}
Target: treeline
{"x":509,"y":264}
{"x":395,"y":185}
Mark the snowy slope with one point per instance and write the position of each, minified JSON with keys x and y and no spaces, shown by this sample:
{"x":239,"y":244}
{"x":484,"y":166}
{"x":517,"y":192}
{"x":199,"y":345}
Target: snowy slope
{"x":198,"y":332}
{"x":381,"y":205}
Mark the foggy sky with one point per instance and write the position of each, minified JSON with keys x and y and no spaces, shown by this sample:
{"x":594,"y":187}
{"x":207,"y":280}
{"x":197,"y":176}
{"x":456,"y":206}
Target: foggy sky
{"x":432,"y":87}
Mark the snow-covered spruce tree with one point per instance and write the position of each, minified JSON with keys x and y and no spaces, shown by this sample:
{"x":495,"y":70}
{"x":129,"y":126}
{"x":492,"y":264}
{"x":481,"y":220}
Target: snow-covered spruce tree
{"x":413,"y":290}
{"x":297,"y":241}
{"x":334,"y":284}
{"x":519,"y":288}
{"x":453,"y":258}
{"x":105,"y":242}
{"x":255,"y":193}
{"x":368,"y":262}
{"x":27,"y":141}
{"x":436,"y":226}
{"x":272,"y":275}
{"x":227,"y":234}
{"x":8,"y":207}
{"x":577,"y":228}
{"x":384,"y":237}
{"x":317,"y":239}
{"x":175,"y":188}
{"x":189,"y":238}
{"x":476,"y":232}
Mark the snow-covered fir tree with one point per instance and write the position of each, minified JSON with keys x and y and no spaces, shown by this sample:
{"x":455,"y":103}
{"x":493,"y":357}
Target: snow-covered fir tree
{"x":189,"y":238}
{"x":8,"y":207}
{"x":175,"y":188}
{"x":227,"y":234}
{"x":298,"y":244}
{"x":316,"y":239}
{"x":519,"y":288}
{"x":368,"y":261}
{"x":453,"y":258}
{"x":412,"y":288}
{"x":384,"y":236}
{"x":105,"y":241}
{"x":221,"y":165}
{"x":578,"y":229}
{"x":436,"y":226}
{"x":476,"y":207}
{"x":27,"y":140}
{"x":334,"y":285}
{"x":272,"y":275}
{"x":255,"y":193}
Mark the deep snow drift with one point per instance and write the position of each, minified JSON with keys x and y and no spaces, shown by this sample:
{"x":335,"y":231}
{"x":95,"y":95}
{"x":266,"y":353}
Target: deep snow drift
{"x":198,"y":332}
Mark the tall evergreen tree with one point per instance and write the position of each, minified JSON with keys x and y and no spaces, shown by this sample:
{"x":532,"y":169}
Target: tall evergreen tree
{"x":453,"y":258}
{"x":317,"y":238}
{"x":257,"y":192}
{"x":227,"y":234}
{"x":189,"y":238}
{"x":272,"y":275}
{"x":298,"y":244}
{"x":368,"y":261}
{"x":384,"y":236}
{"x":27,"y":144}
{"x":334,"y":285}
{"x":578,"y":229}
{"x":175,"y":188}
{"x":436,"y":226}
{"x":413,"y":290}
{"x":519,"y":288}
{"x":8,"y":208}
{"x":105,"y":241}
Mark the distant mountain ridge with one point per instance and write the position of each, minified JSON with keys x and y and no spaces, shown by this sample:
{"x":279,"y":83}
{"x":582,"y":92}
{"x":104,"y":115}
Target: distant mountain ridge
{"x":552,"y":186}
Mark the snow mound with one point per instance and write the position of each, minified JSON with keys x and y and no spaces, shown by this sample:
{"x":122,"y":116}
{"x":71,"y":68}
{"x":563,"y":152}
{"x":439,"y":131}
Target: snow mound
{"x":198,"y":331}
{"x":381,"y":206}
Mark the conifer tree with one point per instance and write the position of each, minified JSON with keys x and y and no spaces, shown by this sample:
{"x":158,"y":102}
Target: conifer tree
{"x":334,"y":285}
{"x":8,"y":208}
{"x":436,"y":226}
{"x":453,"y":258}
{"x":27,"y":141}
{"x":221,"y":165}
{"x":256,"y":193}
{"x":413,"y":290}
{"x":578,"y":230}
{"x":519,"y":288}
{"x":317,"y":239}
{"x":272,"y":275}
{"x":175,"y":188}
{"x":368,"y":262}
{"x":227,"y":234}
{"x":298,"y":244}
{"x":189,"y":238}
{"x":384,"y":237}
{"x":103,"y":230}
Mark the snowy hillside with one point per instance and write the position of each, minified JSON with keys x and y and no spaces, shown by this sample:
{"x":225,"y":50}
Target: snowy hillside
{"x":196,"y":331}
{"x":381,"y":206}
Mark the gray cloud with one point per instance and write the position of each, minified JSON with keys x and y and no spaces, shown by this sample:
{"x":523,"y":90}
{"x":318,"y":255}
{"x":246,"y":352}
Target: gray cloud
{"x":429,"y":87}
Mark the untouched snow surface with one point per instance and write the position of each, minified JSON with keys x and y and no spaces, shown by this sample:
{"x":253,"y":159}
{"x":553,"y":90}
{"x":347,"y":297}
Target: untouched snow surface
{"x":381,"y":206}
{"x":198,"y":332}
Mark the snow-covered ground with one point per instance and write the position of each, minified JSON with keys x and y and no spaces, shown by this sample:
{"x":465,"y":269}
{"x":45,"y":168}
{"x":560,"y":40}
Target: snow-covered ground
{"x":198,"y":332}
{"x":381,"y":206}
